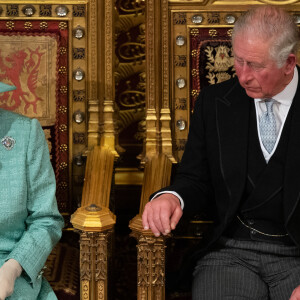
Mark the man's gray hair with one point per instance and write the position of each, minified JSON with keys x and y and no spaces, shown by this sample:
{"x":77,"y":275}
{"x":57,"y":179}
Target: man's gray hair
{"x":270,"y":24}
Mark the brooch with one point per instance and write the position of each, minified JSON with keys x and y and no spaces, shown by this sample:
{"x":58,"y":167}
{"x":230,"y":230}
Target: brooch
{"x":8,"y":142}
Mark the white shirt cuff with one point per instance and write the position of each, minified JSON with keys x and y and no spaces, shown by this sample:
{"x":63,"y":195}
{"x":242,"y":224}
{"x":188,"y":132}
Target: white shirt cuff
{"x":170,"y":192}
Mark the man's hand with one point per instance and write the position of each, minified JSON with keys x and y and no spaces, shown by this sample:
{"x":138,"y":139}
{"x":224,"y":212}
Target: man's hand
{"x":9,"y":272}
{"x":162,"y":214}
{"x":296,"y":293}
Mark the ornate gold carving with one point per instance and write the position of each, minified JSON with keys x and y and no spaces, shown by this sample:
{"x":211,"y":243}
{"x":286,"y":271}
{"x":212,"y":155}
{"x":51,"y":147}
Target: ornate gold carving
{"x":85,"y":256}
{"x":79,"y":95}
{"x":179,"y":18}
{"x":125,"y":70}
{"x":130,"y":76}
{"x":150,"y":262}
{"x":132,"y":51}
{"x":241,"y":2}
{"x":132,"y":7}
{"x":181,"y":104}
{"x":85,"y":289}
{"x":213,"y":18}
{"x":151,"y":56}
{"x":93,"y":51}
{"x":78,"y":53}
{"x":68,"y":269}
{"x":179,"y":61}
{"x":107,"y":129}
{"x":101,"y":258}
{"x":108,"y":50}
{"x":165,"y":112}
{"x":79,"y":10}
{"x":79,"y":138}
{"x":93,"y":263}
{"x":45,"y":10}
{"x":129,"y":116}
{"x":12,"y":10}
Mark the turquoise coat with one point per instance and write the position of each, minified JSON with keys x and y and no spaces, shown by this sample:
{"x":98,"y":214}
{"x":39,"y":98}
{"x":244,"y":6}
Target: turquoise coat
{"x":30,"y":224}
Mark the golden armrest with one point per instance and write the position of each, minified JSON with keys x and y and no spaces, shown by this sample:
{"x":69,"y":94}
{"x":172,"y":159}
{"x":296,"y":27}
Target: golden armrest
{"x":95,"y":222}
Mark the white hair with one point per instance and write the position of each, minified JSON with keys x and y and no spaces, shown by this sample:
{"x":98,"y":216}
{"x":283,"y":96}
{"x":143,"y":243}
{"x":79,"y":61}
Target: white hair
{"x":271,"y":24}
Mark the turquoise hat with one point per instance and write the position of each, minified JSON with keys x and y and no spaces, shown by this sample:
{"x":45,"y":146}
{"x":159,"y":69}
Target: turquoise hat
{"x":6,"y":87}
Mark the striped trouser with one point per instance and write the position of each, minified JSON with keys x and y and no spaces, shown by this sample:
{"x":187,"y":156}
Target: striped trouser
{"x":238,"y":270}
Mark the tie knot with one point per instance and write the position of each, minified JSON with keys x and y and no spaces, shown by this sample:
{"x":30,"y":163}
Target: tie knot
{"x":269,"y":105}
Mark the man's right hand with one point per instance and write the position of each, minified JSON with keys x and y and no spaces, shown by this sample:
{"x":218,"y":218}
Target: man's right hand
{"x":162,"y":214}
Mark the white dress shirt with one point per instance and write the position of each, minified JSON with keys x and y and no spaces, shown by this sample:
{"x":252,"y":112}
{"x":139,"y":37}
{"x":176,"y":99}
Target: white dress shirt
{"x":281,"y":106}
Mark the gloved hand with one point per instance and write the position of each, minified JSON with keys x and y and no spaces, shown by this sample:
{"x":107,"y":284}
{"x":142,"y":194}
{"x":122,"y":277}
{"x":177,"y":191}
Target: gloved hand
{"x":9,"y":272}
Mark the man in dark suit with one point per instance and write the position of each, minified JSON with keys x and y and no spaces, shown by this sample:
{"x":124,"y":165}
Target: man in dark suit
{"x":242,"y":165}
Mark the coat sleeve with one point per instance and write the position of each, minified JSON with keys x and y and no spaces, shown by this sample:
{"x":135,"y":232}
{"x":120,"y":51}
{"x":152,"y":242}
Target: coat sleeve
{"x":193,"y":179}
{"x":44,"y":222}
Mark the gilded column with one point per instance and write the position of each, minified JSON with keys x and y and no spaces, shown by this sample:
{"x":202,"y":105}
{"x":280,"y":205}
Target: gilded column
{"x":153,"y":75}
{"x":94,"y":224}
{"x":92,"y":82}
{"x":107,"y":128}
{"x":150,"y":262}
{"x":165,"y":112}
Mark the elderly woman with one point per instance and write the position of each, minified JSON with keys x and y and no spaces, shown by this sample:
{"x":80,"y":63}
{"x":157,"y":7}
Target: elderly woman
{"x":30,"y":224}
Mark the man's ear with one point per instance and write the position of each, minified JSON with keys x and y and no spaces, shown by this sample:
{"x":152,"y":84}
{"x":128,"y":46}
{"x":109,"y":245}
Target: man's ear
{"x":290,"y":64}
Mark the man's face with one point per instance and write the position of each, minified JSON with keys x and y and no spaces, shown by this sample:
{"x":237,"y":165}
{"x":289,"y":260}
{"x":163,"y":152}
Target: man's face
{"x":258,"y":74}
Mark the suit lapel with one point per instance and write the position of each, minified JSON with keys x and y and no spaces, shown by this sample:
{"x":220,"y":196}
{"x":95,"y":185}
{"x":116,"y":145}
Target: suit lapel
{"x":232,"y":113}
{"x":292,"y":172}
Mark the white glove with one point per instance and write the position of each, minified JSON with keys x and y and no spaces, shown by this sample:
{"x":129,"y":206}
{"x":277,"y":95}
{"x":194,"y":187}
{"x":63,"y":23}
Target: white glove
{"x":9,"y":272}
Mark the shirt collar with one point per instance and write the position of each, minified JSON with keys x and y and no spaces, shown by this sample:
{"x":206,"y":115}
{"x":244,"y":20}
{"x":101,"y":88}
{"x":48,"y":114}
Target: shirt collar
{"x":286,"y":96}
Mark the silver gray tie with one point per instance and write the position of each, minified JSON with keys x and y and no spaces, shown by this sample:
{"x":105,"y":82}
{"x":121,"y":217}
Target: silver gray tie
{"x":267,"y":127}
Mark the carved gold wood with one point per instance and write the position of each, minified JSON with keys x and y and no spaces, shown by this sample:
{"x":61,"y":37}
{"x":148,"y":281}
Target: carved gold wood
{"x":151,"y":267}
{"x":151,"y":250}
{"x":153,"y":73}
{"x":93,"y":265}
{"x":93,"y":88}
{"x":95,"y":222}
{"x":98,"y":174}
{"x":107,"y":75}
{"x":208,"y":3}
